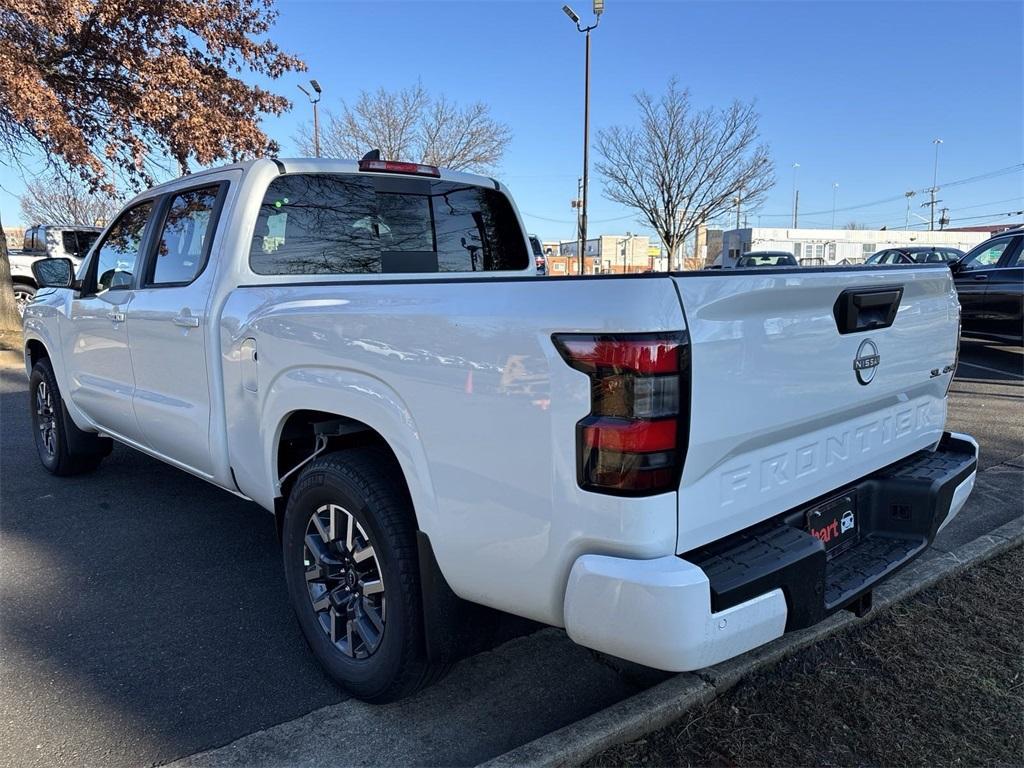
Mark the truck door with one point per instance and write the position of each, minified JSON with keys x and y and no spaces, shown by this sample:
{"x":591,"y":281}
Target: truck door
{"x":973,"y":274}
{"x":101,"y":379}
{"x":168,"y":331}
{"x":1005,"y":295}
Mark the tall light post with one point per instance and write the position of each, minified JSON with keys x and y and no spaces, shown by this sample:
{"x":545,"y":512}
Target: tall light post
{"x":835,"y":191}
{"x":314,"y":100}
{"x":908,"y":195}
{"x":796,"y":196}
{"x":935,"y":182}
{"x":575,"y":19}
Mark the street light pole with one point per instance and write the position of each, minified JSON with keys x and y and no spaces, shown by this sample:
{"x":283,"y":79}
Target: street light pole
{"x":314,"y":100}
{"x":796,"y":196}
{"x":835,"y":190}
{"x":935,"y":181}
{"x":598,"y":10}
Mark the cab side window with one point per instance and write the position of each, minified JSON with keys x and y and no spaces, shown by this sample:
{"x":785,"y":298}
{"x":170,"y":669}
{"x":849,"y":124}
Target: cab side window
{"x":986,"y":255}
{"x":118,"y":254}
{"x":188,"y":230}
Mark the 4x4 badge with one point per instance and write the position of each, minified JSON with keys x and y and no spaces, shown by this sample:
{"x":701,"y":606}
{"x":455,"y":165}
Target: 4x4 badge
{"x":866,"y":361}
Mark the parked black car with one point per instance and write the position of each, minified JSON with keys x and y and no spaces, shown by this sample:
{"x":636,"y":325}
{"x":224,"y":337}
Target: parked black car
{"x":990,"y":283}
{"x":916,"y":254}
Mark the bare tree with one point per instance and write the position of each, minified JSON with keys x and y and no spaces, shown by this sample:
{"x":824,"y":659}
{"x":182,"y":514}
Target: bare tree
{"x":681,"y":167}
{"x":69,"y":200}
{"x":410,"y":124}
{"x":854,"y":225}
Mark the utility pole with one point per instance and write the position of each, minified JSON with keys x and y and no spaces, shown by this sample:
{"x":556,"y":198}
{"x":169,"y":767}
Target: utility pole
{"x":944,"y":218}
{"x":737,"y":200}
{"x":598,"y":10}
{"x":577,"y":204}
{"x":796,"y":196}
{"x":935,"y":180}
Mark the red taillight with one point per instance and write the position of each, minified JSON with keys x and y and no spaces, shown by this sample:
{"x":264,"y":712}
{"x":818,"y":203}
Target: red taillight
{"x":638,"y":355}
{"x":633,"y":442}
{"x":394,"y":166}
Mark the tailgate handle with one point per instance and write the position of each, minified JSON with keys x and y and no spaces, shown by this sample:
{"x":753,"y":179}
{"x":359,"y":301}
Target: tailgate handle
{"x":866,"y":309}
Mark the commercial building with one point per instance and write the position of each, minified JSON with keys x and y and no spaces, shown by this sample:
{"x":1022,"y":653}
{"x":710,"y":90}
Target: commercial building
{"x":823,"y":247}
{"x":606,"y":254}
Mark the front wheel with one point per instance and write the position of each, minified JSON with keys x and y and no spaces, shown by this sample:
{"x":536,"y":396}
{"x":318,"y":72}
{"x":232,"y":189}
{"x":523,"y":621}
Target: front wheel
{"x":351,"y":565}
{"x":23,"y":295}
{"x":63,"y":448}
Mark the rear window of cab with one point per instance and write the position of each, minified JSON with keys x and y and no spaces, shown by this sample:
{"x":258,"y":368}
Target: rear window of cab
{"x":342,"y":224}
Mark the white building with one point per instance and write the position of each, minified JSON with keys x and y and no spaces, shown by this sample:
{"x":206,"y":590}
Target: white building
{"x":834,"y":246}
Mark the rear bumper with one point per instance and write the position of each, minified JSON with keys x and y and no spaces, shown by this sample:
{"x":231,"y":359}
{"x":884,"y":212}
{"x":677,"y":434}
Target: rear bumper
{"x":692,"y":611}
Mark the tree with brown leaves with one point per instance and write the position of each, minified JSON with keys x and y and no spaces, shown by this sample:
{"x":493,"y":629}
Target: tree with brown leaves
{"x":411,"y":124}
{"x":122,"y":86}
{"x":683,"y":166}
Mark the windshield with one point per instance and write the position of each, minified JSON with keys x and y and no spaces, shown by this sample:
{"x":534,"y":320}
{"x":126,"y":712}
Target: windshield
{"x":767,"y":260}
{"x":937,"y":257}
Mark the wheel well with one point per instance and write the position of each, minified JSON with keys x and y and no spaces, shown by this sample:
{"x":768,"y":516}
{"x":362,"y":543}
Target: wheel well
{"x":19,"y":280}
{"x":298,"y":441}
{"x":36,"y":351}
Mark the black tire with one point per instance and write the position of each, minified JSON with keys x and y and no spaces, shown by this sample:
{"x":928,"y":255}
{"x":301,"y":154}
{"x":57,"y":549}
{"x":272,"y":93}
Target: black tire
{"x":360,"y":483}
{"x":63,"y":448}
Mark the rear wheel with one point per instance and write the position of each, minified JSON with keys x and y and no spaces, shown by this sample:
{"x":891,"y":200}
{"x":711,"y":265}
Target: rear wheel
{"x":63,"y":448}
{"x":350,"y":558}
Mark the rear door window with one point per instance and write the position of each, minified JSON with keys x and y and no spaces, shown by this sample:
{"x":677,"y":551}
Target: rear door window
{"x":317,"y":224}
{"x":77,"y":243}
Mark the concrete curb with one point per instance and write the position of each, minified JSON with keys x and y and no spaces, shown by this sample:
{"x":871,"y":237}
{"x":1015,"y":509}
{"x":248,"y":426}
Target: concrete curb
{"x":658,"y":706}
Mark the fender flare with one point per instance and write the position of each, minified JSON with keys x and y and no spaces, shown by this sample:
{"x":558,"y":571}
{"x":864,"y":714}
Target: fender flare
{"x":358,"y":396}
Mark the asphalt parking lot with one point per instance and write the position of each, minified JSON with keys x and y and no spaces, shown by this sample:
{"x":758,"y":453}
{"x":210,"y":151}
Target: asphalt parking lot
{"x":143,"y":618}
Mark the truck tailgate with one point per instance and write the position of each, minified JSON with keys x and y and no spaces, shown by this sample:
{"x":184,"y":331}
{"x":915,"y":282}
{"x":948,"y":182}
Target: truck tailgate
{"x":780,"y":413}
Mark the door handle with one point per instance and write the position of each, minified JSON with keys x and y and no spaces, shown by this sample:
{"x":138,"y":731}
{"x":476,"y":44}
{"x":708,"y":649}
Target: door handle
{"x":981,"y":277}
{"x":186,"y":321}
{"x":116,"y":317}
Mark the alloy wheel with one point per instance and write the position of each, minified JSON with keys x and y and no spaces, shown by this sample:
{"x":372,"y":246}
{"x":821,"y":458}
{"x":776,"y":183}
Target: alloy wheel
{"x":21,"y":300}
{"x":344,"y":581}
{"x":46,"y":418}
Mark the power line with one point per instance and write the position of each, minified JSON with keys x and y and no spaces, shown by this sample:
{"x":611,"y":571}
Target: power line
{"x":955,"y":183}
{"x":895,"y":220}
{"x":592,"y":221}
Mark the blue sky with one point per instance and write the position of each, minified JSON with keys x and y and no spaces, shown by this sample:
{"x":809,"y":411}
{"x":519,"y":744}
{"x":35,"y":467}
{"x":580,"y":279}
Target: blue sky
{"x":853,"y":91}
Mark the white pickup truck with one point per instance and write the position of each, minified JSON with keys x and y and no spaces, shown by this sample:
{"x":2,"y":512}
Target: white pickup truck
{"x":676,"y":468}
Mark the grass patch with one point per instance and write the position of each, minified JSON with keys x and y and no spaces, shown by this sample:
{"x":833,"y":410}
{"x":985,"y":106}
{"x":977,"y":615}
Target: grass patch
{"x":936,"y":680}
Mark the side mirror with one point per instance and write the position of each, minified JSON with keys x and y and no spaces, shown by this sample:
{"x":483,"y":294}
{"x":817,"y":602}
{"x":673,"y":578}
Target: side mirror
{"x":54,"y":273}
{"x":956,"y":267}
